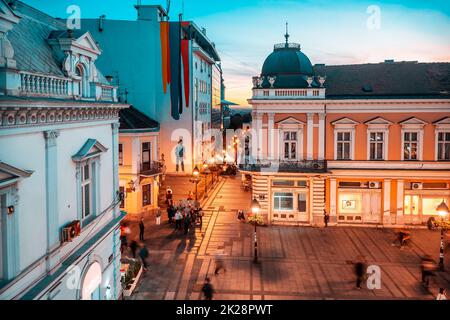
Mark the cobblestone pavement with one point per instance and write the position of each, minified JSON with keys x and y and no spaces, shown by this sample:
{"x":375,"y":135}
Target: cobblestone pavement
{"x":295,"y":262}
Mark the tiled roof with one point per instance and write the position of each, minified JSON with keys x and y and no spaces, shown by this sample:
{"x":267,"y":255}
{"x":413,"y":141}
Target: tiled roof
{"x":29,"y":40}
{"x":132,"y":119}
{"x":387,"y":80}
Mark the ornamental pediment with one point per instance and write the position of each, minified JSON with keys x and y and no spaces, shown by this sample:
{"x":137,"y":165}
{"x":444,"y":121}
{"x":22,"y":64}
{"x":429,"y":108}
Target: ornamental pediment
{"x":378,"y":121}
{"x":413,"y":121}
{"x":290,"y":121}
{"x":91,"y":148}
{"x":344,"y":121}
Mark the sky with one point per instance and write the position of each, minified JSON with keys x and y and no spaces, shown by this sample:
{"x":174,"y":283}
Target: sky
{"x":330,"y":32}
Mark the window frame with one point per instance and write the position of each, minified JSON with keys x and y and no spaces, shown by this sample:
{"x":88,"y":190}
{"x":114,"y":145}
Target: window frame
{"x":418,"y":143}
{"x":290,"y":142}
{"x":279,"y":207}
{"x":120,"y":151}
{"x":443,"y":131}
{"x":149,"y":202}
{"x":350,"y":142}
{"x":149,"y":154}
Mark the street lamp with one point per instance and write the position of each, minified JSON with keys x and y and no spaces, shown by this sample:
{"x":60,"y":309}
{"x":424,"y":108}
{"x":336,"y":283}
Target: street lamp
{"x":195,"y":173}
{"x":442,"y":210}
{"x":206,"y":171}
{"x":255,"y":211}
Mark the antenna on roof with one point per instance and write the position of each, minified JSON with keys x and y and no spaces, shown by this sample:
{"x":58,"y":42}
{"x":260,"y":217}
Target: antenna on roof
{"x":167,"y":7}
{"x":287,"y":35}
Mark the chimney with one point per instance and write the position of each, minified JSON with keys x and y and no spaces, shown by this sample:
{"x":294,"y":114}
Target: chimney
{"x":101,"y":19}
{"x":149,"y":12}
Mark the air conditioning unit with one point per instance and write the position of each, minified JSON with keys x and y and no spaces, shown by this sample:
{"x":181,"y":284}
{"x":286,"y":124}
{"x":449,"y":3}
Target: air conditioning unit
{"x":374,"y":185}
{"x":71,"y":231}
{"x":417,"y":185}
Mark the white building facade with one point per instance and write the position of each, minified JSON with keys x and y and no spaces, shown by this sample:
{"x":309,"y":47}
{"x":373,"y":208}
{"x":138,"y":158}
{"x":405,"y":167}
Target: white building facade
{"x":59,"y":188}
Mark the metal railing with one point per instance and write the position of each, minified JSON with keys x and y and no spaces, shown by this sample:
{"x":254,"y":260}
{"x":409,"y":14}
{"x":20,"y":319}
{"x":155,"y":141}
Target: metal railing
{"x":314,"y":166}
{"x":151,"y":168}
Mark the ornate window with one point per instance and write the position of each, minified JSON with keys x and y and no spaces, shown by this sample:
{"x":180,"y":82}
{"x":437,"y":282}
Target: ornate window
{"x":344,"y":138}
{"x":283,"y":201}
{"x":290,"y":145}
{"x":443,"y":146}
{"x":146,"y":195}
{"x":410,"y":145}
{"x":376,"y":149}
{"x":343,"y":145}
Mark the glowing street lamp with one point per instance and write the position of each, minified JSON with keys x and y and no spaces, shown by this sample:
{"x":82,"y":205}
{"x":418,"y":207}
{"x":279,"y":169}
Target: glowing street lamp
{"x":255,"y":210}
{"x":195,"y":173}
{"x":442,"y":210}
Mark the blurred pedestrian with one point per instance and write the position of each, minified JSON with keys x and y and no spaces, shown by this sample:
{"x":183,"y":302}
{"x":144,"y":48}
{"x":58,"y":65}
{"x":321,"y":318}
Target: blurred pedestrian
{"x":178,"y":218}
{"x":143,"y":254}
{"x":141,"y":229}
{"x":359,"y":273}
{"x":241,"y":215}
{"x":133,"y":247}
{"x":169,"y":196}
{"x":441,"y":295}
{"x":428,"y":267}
{"x":208,"y":290}
{"x":220,"y":265}
{"x":326,"y":217}
{"x":158,"y":216}
{"x":187,"y":223}
{"x":170,"y":213}
{"x":124,"y":232}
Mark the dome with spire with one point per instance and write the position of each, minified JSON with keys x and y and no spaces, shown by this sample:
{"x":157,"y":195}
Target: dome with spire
{"x":287,"y":67}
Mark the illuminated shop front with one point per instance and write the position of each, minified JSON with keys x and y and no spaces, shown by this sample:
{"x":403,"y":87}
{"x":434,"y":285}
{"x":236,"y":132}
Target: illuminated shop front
{"x":422,"y":199}
{"x":290,"y":200}
{"x":359,"y":202}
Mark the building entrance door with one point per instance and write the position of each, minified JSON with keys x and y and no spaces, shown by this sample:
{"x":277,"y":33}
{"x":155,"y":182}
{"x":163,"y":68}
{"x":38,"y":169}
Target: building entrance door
{"x":372,"y":206}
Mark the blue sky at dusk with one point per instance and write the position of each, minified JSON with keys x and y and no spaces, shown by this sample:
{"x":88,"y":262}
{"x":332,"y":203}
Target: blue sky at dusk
{"x":330,"y":32}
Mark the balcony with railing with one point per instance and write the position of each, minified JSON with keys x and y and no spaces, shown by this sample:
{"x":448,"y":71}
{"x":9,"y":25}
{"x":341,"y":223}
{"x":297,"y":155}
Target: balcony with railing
{"x":151,"y":168}
{"x":303,"y":166}
{"x":282,"y":94}
{"x":32,"y":84}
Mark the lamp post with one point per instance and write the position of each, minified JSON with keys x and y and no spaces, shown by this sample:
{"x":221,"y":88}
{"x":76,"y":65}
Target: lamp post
{"x":205,"y":171}
{"x":442,"y":210}
{"x":255,"y":211}
{"x":195,"y":173}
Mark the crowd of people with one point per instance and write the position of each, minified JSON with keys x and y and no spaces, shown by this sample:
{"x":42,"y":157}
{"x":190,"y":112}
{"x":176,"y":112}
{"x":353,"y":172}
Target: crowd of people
{"x":185,"y":215}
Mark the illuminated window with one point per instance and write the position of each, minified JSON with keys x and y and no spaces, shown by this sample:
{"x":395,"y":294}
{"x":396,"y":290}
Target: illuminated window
{"x":376,"y":145}
{"x":410,"y":145}
{"x":146,"y":195}
{"x":443,"y":146}
{"x":302,"y":202}
{"x":283,"y":201}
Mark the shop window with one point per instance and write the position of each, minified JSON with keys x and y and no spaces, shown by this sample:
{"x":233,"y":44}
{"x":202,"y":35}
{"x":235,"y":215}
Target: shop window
{"x":429,"y":205}
{"x":302,"y":202}
{"x":283,"y":201}
{"x":146,"y":195}
{"x":349,"y":184}
{"x":302,"y":184}
{"x":411,"y":204}
{"x":287,"y":183}
{"x":350,"y":203}
{"x":343,"y":145}
{"x":410,"y":145}
{"x":376,"y":146}
{"x":443,"y":146}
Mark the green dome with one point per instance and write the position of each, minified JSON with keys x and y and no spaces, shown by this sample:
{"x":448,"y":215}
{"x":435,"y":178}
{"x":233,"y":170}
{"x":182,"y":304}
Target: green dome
{"x":289,"y":65}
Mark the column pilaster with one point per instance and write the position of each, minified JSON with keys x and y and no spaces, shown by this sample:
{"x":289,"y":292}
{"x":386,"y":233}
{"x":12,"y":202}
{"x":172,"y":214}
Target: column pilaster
{"x":309,"y":136}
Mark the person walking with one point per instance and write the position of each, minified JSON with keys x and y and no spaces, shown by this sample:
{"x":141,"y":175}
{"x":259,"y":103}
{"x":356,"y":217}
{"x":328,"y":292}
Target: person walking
{"x":133,"y":248}
{"x":208,"y":290}
{"x":169,"y":195}
{"x":143,"y":254}
{"x":158,"y":216}
{"x":178,"y":218}
{"x":170,"y":213}
{"x":359,"y":273}
{"x":441,"y":295}
{"x":428,"y":266}
{"x":187,"y":223}
{"x":220,"y":265}
{"x":326,"y":217}
{"x":141,"y":229}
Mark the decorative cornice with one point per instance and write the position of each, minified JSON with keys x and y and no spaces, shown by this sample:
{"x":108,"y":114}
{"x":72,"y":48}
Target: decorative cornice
{"x":11,"y":117}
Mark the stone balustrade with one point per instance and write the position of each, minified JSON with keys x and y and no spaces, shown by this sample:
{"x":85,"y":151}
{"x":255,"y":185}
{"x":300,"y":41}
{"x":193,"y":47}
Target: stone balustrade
{"x":41,"y":85}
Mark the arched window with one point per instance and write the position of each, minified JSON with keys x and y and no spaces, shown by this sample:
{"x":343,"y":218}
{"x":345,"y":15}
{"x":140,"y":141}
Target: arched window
{"x":84,"y":84}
